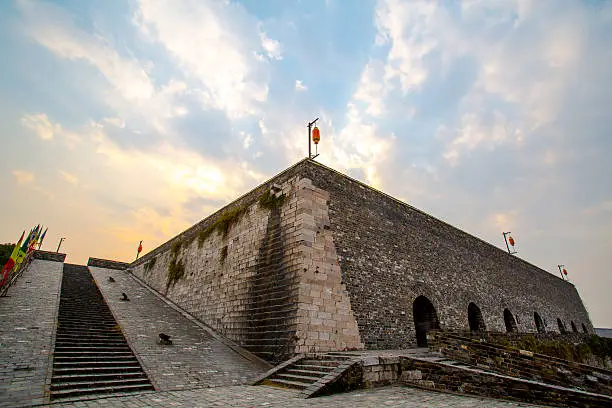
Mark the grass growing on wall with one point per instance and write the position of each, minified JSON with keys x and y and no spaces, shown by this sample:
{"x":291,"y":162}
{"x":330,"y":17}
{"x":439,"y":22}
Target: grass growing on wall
{"x":150,"y":264}
{"x":223,"y":224}
{"x":269,"y":201}
{"x":596,"y":346}
{"x":176,"y":270}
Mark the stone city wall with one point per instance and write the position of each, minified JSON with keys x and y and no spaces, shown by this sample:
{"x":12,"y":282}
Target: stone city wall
{"x":265,"y":277}
{"x":337,"y":250}
{"x":390,"y":253}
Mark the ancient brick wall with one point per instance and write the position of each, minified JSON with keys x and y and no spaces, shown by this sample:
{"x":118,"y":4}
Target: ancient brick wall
{"x":339,"y":265}
{"x":391,"y":253}
{"x":270,"y":281}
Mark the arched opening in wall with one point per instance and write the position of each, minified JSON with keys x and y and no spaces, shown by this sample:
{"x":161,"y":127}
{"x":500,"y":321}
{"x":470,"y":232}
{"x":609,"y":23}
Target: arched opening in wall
{"x":538,"y":322}
{"x":574,"y":328}
{"x":425,"y":319}
{"x":562,"y":329}
{"x":584,"y":329}
{"x":475,"y":318}
{"x":509,"y":320}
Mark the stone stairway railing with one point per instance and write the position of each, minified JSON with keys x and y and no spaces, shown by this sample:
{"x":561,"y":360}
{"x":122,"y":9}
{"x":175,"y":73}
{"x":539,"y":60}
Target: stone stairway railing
{"x":309,"y":373}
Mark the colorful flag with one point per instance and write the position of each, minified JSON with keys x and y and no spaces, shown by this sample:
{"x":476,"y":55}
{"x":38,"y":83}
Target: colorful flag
{"x":42,"y":237}
{"x":8,"y":267}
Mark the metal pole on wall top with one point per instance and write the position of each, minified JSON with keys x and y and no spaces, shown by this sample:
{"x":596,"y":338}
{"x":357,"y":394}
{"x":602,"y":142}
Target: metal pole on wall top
{"x":310,"y":124}
{"x":60,"y":244}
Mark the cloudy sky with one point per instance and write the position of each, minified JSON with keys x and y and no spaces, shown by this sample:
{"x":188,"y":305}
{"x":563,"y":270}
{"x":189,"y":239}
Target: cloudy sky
{"x":128,"y":120}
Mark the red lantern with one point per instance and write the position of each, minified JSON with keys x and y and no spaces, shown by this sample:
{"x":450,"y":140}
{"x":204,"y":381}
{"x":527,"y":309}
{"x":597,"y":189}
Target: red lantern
{"x":316,"y":135}
{"x":140,"y":247}
{"x":511,"y":240}
{"x":564,"y":271}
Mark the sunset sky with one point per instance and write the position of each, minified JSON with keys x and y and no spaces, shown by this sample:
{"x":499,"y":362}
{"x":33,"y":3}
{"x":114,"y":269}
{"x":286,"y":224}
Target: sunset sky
{"x":124,"y":121}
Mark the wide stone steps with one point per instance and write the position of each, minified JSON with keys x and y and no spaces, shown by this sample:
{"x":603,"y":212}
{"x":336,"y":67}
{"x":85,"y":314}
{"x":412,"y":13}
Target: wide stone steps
{"x":97,"y":390}
{"x":98,"y":377}
{"x":304,"y":372}
{"x":95,"y":370}
{"x":100,"y":383}
{"x":91,"y":356}
{"x":96,"y":363}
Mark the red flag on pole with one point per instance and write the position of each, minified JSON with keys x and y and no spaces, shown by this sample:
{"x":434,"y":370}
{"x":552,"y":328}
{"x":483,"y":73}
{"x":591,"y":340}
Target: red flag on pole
{"x":139,"y":249}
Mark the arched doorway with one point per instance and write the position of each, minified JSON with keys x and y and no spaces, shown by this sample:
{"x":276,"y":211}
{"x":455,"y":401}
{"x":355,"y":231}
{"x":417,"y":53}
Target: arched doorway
{"x":425,"y":319}
{"x":574,"y":328}
{"x":562,"y":329}
{"x":584,"y":329}
{"x":538,"y":322}
{"x":475,"y":318}
{"x":509,"y":320}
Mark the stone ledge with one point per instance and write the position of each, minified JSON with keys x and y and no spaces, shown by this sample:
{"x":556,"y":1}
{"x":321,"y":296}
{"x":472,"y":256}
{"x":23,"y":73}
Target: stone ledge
{"x":49,"y":256}
{"x":107,"y":264}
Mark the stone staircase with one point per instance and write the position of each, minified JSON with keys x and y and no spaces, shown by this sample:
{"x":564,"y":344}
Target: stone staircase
{"x":91,"y":355}
{"x":272,"y":304}
{"x":305,"y":372}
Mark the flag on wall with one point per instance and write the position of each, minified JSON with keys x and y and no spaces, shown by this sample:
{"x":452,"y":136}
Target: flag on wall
{"x":42,"y":237}
{"x":10,"y":263}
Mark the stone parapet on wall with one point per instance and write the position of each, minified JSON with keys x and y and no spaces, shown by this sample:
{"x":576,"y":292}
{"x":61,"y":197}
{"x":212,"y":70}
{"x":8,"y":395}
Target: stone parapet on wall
{"x":522,"y":363}
{"x":49,"y":256}
{"x":108,"y":264}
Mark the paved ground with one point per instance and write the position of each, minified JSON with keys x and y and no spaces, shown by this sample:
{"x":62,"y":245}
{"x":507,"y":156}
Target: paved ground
{"x":247,"y":396}
{"x":195,"y":360}
{"x":27,"y":328}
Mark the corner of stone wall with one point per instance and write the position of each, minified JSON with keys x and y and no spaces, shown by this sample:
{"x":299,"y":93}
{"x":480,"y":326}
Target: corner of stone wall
{"x":325,"y":320}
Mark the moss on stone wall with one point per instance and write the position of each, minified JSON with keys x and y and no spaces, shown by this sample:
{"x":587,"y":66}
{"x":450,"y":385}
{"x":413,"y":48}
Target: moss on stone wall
{"x":269,"y":200}
{"x":150,"y":264}
{"x":223,"y":224}
{"x":176,"y":270}
{"x":594,"y":345}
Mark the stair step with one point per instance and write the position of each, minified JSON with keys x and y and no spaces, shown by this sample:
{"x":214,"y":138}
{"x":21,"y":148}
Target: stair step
{"x":311,"y":373}
{"x":95,"y":377}
{"x":92,"y":354}
{"x":66,"y":359}
{"x":313,"y":367}
{"x":99,"y":382}
{"x":329,"y":363}
{"x":307,"y":379}
{"x":286,"y":383}
{"x":96,"y":363}
{"x":97,"y":370}
{"x":100,"y":390}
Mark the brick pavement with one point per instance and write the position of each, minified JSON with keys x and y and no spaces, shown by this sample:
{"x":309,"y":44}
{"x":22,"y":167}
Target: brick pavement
{"x":27,"y":329}
{"x":195,"y":360}
{"x":262,"y":396}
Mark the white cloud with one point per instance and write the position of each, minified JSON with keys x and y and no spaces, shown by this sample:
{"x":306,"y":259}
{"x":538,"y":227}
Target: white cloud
{"x":69,"y":178}
{"x":299,"y":85}
{"x":247,"y":139}
{"x":41,"y":125}
{"x":23,"y":177}
{"x":54,"y":29}
{"x":213,"y":43}
{"x":372,"y":88}
{"x":47,"y":130}
{"x":272,"y":47}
